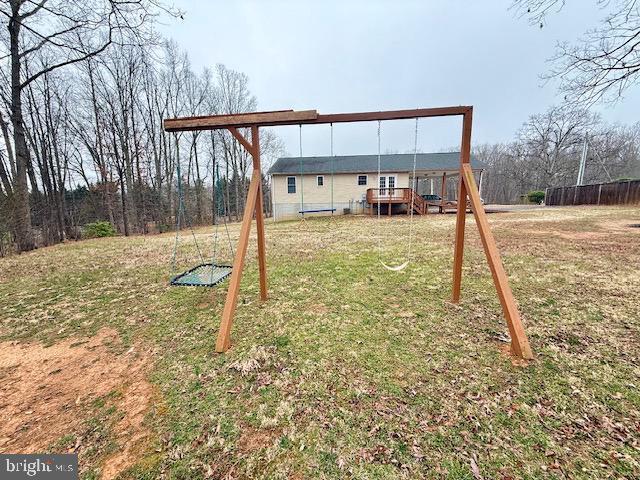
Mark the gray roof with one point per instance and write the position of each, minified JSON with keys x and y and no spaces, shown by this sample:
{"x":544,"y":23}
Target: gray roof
{"x":396,"y":162}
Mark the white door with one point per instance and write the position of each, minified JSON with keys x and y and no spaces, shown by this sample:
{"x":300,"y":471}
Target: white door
{"x":391,"y":184}
{"x":387,"y":184}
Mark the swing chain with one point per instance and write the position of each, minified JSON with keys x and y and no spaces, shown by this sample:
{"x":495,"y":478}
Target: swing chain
{"x":301,"y":172}
{"x":413,"y":181}
{"x":181,"y":213}
{"x":332,"y":168}
{"x":411,"y":205}
{"x":379,"y":190}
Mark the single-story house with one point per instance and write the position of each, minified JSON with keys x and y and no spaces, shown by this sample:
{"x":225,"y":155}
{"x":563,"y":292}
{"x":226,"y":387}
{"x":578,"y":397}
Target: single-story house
{"x":322,"y":184}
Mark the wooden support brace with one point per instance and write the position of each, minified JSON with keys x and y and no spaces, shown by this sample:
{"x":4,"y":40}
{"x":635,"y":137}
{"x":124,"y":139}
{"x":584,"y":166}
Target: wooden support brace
{"x":243,"y":141}
{"x":519,"y":342}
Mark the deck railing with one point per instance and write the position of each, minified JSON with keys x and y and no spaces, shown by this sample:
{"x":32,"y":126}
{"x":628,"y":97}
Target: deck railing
{"x":397,"y":195}
{"x":386,"y":195}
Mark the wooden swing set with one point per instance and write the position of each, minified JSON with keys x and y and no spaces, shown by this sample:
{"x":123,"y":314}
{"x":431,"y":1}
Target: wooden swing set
{"x":467,"y":187}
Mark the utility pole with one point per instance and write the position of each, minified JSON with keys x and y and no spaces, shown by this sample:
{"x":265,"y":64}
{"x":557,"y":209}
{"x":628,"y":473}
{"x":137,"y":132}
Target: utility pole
{"x":583,"y":162}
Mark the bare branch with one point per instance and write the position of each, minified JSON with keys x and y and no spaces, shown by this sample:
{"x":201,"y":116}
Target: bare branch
{"x":601,"y":65}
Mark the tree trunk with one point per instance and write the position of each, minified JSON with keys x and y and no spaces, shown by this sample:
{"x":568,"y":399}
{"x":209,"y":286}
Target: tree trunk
{"x":22,"y":214}
{"x":123,"y":197}
{"x":142,"y":219}
{"x":9,"y":147}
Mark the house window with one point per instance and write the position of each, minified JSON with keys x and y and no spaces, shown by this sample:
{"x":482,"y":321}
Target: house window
{"x":362,"y":179}
{"x":291,"y":184}
{"x":320,"y":180}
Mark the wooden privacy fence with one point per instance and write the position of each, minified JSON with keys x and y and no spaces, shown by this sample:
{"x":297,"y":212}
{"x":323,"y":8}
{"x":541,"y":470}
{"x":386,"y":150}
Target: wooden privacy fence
{"x":613,"y":193}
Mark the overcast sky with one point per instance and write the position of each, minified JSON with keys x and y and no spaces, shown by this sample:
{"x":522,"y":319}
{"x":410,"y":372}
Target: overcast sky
{"x":348,"y":56}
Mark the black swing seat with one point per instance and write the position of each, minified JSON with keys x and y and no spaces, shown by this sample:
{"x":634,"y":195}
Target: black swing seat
{"x":318,"y":210}
{"x":203,"y":275}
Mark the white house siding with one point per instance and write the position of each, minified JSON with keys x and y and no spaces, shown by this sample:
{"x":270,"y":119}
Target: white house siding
{"x":346,"y":193}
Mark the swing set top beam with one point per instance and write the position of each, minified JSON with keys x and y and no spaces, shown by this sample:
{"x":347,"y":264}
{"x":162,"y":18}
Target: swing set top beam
{"x":306,"y":117}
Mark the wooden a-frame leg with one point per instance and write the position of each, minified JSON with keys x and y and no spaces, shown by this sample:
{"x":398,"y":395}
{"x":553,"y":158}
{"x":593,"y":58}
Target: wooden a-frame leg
{"x":443,"y":192}
{"x":519,"y":342}
{"x":458,"y":253}
{"x":223,"y":342}
{"x":262,"y":261}
{"x":257,"y":172}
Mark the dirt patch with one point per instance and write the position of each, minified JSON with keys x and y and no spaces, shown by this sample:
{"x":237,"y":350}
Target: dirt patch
{"x":319,"y":309}
{"x":132,"y":434}
{"x":253,"y":439}
{"x":46,"y":393}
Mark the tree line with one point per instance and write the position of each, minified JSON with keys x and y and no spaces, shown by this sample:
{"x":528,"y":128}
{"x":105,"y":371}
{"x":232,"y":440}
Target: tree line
{"x":598,"y":67}
{"x":547,"y":150}
{"x":86,"y":87}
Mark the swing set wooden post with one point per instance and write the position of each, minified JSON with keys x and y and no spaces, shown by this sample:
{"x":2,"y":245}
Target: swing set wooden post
{"x":461,"y":213}
{"x":519,"y":342}
{"x":262,"y":258}
{"x":443,"y":192}
{"x":254,"y":204}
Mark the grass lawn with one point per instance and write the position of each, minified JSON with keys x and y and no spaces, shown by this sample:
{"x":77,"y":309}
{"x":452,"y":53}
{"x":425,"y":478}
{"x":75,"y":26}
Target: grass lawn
{"x":349,"y":370}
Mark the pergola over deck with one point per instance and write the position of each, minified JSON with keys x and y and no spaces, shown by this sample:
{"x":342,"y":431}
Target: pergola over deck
{"x":467,"y":186}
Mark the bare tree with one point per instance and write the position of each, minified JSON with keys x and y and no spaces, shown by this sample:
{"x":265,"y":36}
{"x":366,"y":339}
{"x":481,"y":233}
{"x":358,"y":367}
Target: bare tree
{"x":552,"y":143}
{"x":547,"y":150}
{"x":602,"y":64}
{"x":49,"y":30}
{"x":91,"y":123}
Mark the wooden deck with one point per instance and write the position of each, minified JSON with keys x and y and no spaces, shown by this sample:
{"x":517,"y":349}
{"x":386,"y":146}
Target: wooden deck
{"x":394,"y":196}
